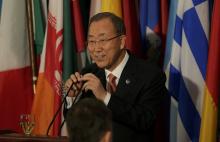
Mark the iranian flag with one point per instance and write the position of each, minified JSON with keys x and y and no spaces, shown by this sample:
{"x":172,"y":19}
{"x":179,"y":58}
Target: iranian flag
{"x":48,"y":91}
{"x":15,"y":72}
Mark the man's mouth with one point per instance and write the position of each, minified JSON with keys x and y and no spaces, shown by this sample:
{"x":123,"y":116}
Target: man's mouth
{"x":99,"y":57}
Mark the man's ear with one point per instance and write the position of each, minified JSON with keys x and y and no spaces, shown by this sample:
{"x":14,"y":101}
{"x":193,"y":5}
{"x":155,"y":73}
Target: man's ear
{"x":123,"y":39}
{"x":107,"y":137}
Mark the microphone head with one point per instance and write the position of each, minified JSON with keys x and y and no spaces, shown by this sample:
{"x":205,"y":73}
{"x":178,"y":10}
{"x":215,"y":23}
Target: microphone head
{"x":92,"y":68}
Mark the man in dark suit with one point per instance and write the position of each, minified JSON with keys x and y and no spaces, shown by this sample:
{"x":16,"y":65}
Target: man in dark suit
{"x":131,"y":88}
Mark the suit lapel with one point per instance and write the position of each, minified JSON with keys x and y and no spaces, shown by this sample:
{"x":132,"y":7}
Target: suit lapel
{"x":128,"y":79}
{"x":101,"y":75}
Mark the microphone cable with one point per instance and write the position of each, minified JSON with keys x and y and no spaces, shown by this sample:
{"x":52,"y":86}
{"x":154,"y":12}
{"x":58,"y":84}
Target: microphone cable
{"x":93,"y":69}
{"x":76,"y":98}
{"x":58,"y":110}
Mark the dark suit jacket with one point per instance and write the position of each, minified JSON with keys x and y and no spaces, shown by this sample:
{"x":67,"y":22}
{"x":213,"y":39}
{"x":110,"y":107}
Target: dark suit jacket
{"x":134,"y":105}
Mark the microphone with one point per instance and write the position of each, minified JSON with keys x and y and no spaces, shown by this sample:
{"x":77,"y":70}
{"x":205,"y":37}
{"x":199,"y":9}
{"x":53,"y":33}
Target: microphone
{"x":90,"y":69}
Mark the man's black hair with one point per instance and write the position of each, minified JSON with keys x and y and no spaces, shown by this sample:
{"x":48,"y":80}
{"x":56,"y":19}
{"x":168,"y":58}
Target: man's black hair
{"x":116,"y":21}
{"x":88,"y":121}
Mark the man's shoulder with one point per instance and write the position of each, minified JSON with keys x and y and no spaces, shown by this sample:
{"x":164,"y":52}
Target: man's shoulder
{"x":143,"y":63}
{"x":144,"y":68}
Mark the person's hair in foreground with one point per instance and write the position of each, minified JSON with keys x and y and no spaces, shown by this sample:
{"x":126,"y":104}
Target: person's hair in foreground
{"x":89,"y":120}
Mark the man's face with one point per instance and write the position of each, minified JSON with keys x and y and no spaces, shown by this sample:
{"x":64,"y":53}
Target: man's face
{"x":104,"y":45}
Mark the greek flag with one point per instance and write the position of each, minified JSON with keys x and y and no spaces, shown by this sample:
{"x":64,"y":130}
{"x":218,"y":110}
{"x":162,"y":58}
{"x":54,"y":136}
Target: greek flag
{"x":187,"y":67}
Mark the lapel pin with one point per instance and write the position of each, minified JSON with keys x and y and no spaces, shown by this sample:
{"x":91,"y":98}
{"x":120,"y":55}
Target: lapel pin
{"x":127,"y":81}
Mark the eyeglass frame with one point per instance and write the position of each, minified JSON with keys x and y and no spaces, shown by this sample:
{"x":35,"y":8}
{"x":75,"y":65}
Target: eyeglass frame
{"x":101,"y":42}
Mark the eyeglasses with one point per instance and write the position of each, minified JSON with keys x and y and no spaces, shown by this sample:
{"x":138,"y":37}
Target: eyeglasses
{"x":101,"y":42}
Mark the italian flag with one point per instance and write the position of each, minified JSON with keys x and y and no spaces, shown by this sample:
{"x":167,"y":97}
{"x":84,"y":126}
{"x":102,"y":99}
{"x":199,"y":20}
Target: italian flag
{"x":16,"y":91}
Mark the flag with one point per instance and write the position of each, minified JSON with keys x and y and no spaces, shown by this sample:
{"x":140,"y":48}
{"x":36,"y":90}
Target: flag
{"x":44,"y":7}
{"x":188,"y":66}
{"x":78,"y":26}
{"x":80,"y":34}
{"x":69,"y":49}
{"x":95,"y":7}
{"x":153,"y":23}
{"x":85,"y":6}
{"x":48,"y":90}
{"x":113,"y":6}
{"x":16,"y":91}
{"x":74,"y":39}
{"x":39,"y":19}
{"x":69,"y":54}
{"x":132,"y":26}
{"x":170,"y":33}
{"x":212,"y":91}
{"x":166,"y":67}
{"x":39,"y":27}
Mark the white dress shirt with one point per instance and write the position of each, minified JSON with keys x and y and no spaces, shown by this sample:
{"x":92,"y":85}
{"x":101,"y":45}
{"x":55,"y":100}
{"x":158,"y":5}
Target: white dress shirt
{"x":116,"y":72}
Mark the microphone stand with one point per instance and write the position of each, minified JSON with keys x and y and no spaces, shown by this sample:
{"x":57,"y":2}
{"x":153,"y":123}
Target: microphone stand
{"x":58,"y":110}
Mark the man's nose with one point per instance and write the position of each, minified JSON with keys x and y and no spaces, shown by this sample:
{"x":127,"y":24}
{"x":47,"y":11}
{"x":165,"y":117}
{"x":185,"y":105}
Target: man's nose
{"x":98,"y":46}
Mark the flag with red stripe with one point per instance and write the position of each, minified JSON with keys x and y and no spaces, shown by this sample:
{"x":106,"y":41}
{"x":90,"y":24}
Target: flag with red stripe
{"x":212,"y":90}
{"x":16,"y":91}
{"x":132,"y":26}
{"x":48,"y":91}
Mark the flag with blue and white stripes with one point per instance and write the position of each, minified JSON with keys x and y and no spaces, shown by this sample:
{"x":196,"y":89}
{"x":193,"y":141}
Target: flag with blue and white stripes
{"x":188,"y":66}
{"x":166,"y":65}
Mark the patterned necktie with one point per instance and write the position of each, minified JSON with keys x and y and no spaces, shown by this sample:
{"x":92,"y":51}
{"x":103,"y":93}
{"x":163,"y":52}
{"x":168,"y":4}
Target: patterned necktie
{"x":111,"y":84}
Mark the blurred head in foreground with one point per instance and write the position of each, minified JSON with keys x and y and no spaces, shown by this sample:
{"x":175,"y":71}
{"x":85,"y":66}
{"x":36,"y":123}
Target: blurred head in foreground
{"x":89,"y":120}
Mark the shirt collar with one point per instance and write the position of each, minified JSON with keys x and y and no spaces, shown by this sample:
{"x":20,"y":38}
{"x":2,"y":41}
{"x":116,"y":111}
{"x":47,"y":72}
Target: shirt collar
{"x":118,"y":70}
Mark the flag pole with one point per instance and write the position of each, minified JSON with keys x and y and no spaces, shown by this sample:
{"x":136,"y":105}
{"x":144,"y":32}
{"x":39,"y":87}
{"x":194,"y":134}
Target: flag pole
{"x":29,"y":16}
